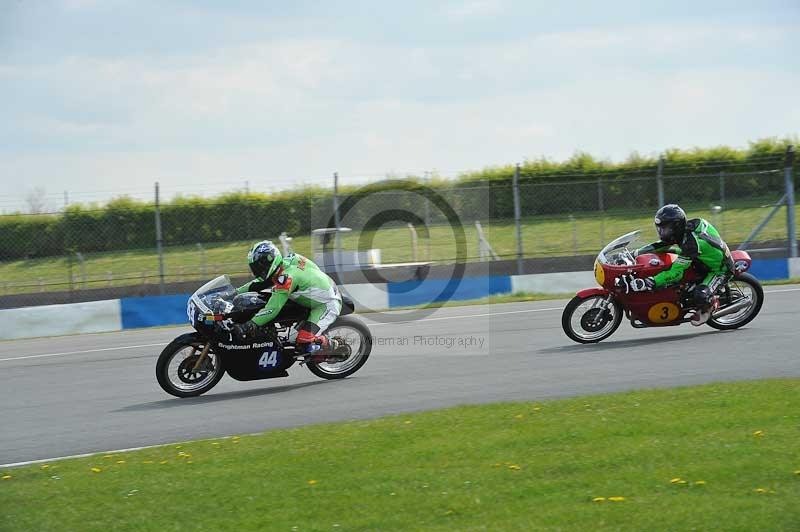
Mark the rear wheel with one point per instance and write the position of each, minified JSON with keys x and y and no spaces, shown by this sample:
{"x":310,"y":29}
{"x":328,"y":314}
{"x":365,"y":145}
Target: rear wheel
{"x":175,"y":369}
{"x":585,"y":321}
{"x":355,"y":345}
{"x":740,"y":287}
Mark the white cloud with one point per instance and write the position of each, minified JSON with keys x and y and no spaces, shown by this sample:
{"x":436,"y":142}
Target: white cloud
{"x":303,"y":108}
{"x":474,"y":8}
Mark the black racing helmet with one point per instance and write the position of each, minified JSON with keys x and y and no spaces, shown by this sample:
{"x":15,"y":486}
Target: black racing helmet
{"x":264,"y":259}
{"x":670,"y":223}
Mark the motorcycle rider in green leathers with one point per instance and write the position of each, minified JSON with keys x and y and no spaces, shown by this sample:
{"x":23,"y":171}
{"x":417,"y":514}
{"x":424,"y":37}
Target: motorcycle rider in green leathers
{"x":700,"y":246}
{"x":297,"y":278}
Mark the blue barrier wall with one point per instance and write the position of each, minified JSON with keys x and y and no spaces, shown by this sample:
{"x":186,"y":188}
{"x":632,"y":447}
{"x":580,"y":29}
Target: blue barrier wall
{"x":770,"y":269}
{"x":150,"y":311}
{"x":420,"y":292}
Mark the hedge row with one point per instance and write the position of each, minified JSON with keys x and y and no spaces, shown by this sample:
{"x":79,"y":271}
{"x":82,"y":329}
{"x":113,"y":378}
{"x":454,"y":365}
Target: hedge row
{"x":579,"y":184}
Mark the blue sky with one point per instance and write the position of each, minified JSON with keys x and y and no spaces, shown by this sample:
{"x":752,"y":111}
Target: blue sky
{"x":105,"y":97}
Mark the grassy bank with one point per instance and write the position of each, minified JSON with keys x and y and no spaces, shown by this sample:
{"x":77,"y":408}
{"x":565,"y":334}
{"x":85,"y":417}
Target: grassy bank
{"x":722,"y":456}
{"x":542,"y":237}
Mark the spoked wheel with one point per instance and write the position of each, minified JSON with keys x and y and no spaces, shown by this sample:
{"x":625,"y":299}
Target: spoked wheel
{"x":744,"y":290}
{"x":585,"y":321}
{"x":176,"y":371}
{"x":354,"y":346}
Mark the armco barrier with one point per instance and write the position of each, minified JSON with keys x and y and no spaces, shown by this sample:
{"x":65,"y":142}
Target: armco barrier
{"x":552,"y":283}
{"x":794,"y":268}
{"x":151,"y":311}
{"x":56,"y":320}
{"x":770,"y":269}
{"x":137,"y":312}
{"x":408,"y":293}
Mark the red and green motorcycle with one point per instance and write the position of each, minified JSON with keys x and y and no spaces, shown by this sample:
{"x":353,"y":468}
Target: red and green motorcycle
{"x":595,"y":313}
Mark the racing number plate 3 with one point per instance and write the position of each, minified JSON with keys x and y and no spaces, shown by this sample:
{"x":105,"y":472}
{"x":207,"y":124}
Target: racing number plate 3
{"x":663,"y":312}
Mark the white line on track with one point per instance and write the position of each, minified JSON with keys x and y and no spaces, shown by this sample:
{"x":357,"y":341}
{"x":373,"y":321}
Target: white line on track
{"x":81,"y":352}
{"x":467,"y":316}
{"x":549,"y":309}
{"x":784,"y":290}
{"x":26,"y":357}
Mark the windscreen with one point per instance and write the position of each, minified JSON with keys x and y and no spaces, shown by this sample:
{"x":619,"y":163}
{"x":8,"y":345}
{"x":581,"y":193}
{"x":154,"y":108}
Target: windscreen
{"x":216,"y":296}
{"x":619,"y":250}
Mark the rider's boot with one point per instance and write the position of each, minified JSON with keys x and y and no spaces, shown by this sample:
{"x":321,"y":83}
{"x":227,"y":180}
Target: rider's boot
{"x":702,"y":315}
{"x":309,"y":343}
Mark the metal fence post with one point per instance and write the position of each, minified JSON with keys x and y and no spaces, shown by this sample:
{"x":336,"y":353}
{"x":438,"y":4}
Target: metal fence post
{"x":517,"y":218}
{"x":660,"y":181}
{"x":602,"y":209}
{"x":791,"y":228}
{"x":159,"y":245}
{"x":722,"y":201}
{"x":337,"y":252}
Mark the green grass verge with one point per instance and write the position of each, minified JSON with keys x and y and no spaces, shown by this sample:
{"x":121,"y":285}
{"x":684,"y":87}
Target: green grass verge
{"x":542,"y":237}
{"x":713,"y":457}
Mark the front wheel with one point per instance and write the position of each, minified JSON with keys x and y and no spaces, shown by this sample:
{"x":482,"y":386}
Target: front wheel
{"x":585,"y":321}
{"x":739,"y":290}
{"x":355,"y":345}
{"x":176,"y":372}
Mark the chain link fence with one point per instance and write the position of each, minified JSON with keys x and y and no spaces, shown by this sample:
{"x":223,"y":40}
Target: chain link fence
{"x":98,"y":253}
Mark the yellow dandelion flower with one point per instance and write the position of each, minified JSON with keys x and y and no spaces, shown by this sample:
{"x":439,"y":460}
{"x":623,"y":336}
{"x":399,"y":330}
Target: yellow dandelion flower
{"x":407,"y":422}
{"x":616,"y":499}
{"x":536,"y":408}
{"x":758,"y":433}
{"x":598,"y":499}
{"x":45,"y":466}
{"x":162,"y":462}
{"x":518,"y":416}
{"x":760,"y":490}
{"x":797,"y":472}
{"x":7,"y":477}
{"x":178,"y":446}
{"x":675,"y":480}
{"x":120,"y":461}
{"x":699,"y":482}
{"x":312,"y":482}
{"x":235,"y":441}
{"x":189,"y":462}
{"x":514,"y":467}
{"x":449,"y":512}
{"x":235,"y":437}
{"x":109,"y":456}
{"x":216,"y":443}
{"x":96,"y":470}
{"x":682,"y":482}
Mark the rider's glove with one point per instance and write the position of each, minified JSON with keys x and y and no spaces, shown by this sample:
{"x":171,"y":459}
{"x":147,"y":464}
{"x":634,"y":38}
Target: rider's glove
{"x":629,"y":283}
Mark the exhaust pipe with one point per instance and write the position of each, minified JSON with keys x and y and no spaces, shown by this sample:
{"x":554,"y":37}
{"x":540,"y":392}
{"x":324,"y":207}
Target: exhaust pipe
{"x":736,"y":307}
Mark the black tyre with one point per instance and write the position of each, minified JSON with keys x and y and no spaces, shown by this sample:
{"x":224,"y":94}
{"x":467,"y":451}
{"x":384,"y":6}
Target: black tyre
{"x":743,"y":285}
{"x":356,"y":346}
{"x":585,"y":322}
{"x":175,"y":367}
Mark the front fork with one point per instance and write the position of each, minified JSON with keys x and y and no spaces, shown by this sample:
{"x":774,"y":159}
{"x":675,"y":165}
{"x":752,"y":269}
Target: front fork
{"x":603,"y":305}
{"x":202,"y":357}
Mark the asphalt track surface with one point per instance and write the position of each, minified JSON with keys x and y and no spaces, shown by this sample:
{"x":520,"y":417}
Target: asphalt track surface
{"x":93,"y":393}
